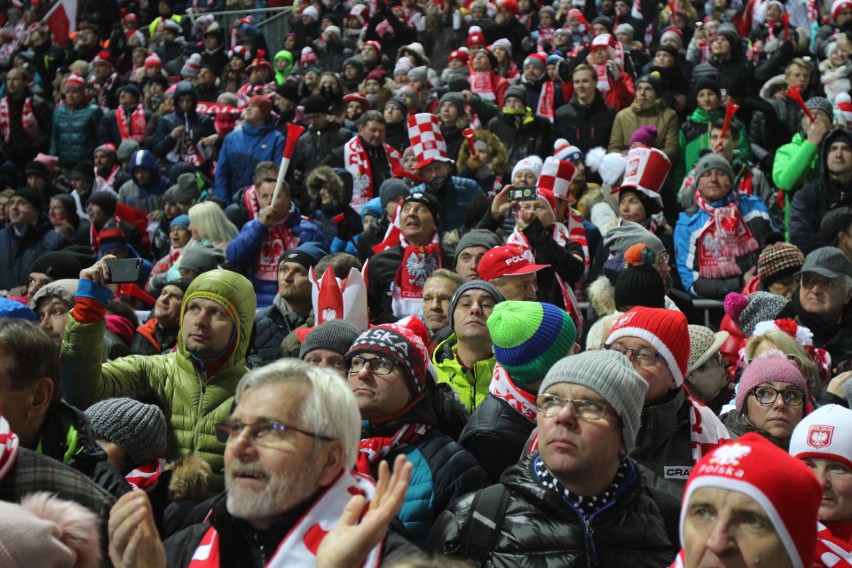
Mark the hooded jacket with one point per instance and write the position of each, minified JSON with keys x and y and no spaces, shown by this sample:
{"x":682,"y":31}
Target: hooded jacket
{"x":241,"y":151}
{"x":145,"y":197}
{"x":812,"y":202}
{"x":201,"y":124}
{"x":197,"y":399}
{"x":471,"y":385}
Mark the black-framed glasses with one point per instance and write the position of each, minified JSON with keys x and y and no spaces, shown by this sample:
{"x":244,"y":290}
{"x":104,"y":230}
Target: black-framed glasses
{"x":643,"y":356}
{"x":268,"y":433}
{"x":551,"y":405}
{"x":767,"y":395}
{"x":377,"y":365}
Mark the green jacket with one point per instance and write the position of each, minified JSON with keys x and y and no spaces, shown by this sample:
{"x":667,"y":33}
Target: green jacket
{"x":197,"y":401}
{"x":796,"y":164}
{"x":694,"y":137}
{"x":470,"y":384}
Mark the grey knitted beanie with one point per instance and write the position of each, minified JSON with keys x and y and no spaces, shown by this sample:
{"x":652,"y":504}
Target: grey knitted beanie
{"x":137,"y":428}
{"x":336,"y":335}
{"x":477,"y":238}
{"x":612,"y":376}
{"x":483,"y":285}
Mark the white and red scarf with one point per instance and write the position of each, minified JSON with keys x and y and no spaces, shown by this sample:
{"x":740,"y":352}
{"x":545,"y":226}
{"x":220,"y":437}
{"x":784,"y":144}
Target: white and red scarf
{"x":357,"y":163}
{"x":137,"y":127}
{"x":372,"y":450}
{"x":146,"y":476}
{"x":724,"y":237}
{"x":300,"y":545}
{"x":279,"y":238}
{"x":831,"y":552}
{"x":189,"y":151}
{"x":418,"y":264}
{"x":28,"y":120}
{"x":482,"y":83}
{"x":106,"y":183}
{"x":8,"y":447}
{"x":574,"y":231}
{"x":252,"y":202}
{"x":545,"y":107}
{"x":505,"y":389}
{"x":706,"y":431}
{"x":603,"y":83}
{"x":102,"y":88}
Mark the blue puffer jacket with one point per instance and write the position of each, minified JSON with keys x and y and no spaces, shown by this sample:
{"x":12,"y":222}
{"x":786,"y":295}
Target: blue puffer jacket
{"x":454,"y":199}
{"x":243,"y":250}
{"x":443,"y":471}
{"x":241,"y":151}
{"x":688,"y":230}
{"x":74,"y":134}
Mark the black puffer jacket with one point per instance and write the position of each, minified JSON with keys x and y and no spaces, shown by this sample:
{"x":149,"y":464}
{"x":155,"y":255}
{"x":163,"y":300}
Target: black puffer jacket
{"x":584,"y":126}
{"x":271,"y":326}
{"x":540,"y":530}
{"x":496,"y":434}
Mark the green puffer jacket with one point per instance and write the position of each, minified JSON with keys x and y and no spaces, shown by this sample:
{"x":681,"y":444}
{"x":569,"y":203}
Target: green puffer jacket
{"x":470,"y":385}
{"x":197,"y":401}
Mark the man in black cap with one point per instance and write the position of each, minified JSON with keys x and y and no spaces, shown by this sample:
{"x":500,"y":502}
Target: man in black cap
{"x":837,"y":229}
{"x":823,"y":303}
{"x":291,"y":306}
{"x":58,"y":265}
{"x":83,"y":182}
{"x":27,"y":236}
{"x":395,"y":276}
{"x":323,"y":134}
{"x":159,"y":334}
{"x":285,"y":99}
{"x":38,"y":177}
{"x":128,"y":121}
{"x":396,"y":129}
{"x":25,"y":124}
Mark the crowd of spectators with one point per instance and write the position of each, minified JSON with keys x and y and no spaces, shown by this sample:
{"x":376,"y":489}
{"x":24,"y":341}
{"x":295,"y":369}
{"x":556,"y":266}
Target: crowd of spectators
{"x":415,"y":283}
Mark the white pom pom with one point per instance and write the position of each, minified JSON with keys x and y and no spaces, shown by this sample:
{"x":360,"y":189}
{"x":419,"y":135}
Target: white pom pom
{"x":594,"y":157}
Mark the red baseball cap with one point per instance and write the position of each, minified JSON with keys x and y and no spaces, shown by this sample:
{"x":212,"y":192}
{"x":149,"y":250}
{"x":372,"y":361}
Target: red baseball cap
{"x":508,"y":260}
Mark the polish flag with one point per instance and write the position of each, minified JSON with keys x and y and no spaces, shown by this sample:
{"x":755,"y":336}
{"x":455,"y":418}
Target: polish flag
{"x":61,"y":20}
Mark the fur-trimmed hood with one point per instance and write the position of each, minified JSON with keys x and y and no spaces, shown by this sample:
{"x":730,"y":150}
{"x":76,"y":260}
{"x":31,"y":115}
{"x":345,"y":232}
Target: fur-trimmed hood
{"x":500,"y":157}
{"x":325,"y":176}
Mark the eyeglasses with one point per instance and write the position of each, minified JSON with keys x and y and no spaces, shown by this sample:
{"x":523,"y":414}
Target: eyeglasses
{"x":810,"y":280}
{"x":644,"y":357}
{"x":551,"y":405}
{"x":768,"y":395}
{"x":267,"y":433}
{"x":377,"y":365}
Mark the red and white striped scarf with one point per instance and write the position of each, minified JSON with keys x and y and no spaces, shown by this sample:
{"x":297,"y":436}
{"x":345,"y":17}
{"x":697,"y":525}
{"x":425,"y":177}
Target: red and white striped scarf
{"x":8,"y":447}
{"x":102,"y":88}
{"x":28,"y":119}
{"x":482,"y":84}
{"x":706,"y":431}
{"x":299,"y":547}
{"x":505,"y":389}
{"x":137,"y":127}
{"x":724,"y":237}
{"x":106,"y":183}
{"x":831,"y":552}
{"x":417,"y":265}
{"x":146,"y":476}
{"x":545,"y":107}
{"x":357,"y":163}
{"x":252,"y":202}
{"x":372,"y":450}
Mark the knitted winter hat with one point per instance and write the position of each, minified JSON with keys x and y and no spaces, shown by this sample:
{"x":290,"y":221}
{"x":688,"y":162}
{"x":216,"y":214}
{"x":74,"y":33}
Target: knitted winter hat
{"x":180,"y":221}
{"x":640,"y":283}
{"x":456,"y":98}
{"x":748,"y":311}
{"x":821,"y":103}
{"x":750,"y":466}
{"x":646,"y":135}
{"x":825,"y":433}
{"x":62,"y":264}
{"x":106,"y":200}
{"x":665,"y":330}
{"x":153,"y":61}
{"x":838,"y":6}
{"x":673,"y":34}
{"x":46,"y":531}
{"x":504,"y":43}
{"x":531,"y":163}
{"x":404,"y":343}
{"x":306,"y":255}
{"x":713,"y":162}
{"x":392,"y":188}
{"x":537,"y":61}
{"x":529,"y":337}
{"x":65,"y":290}
{"x":420,"y":74}
{"x":729,"y":32}
{"x":475,"y":37}
{"x":625,"y":29}
{"x":768,"y":369}
{"x":563,"y":150}
{"x":708,"y":83}
{"x":483,"y":285}
{"x":517,"y":91}
{"x":137,"y":428}
{"x":653,"y":80}
{"x":427,"y":199}
{"x":336,"y":335}
{"x":403,"y":65}
{"x":621,"y":238}
{"x":191,"y":67}
{"x":200,"y":258}
{"x":703,"y":344}
{"x":778,"y":261}
{"x":610,"y":375}
{"x":126,"y":149}
{"x":32,"y":196}
{"x":477,"y":238}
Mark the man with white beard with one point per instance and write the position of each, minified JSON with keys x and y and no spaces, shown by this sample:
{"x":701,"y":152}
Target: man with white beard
{"x":290,"y":446}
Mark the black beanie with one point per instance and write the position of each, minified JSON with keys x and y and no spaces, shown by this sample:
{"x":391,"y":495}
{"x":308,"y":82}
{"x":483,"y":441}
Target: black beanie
{"x":640,"y":283}
{"x":33,"y":196}
{"x":105,"y":200}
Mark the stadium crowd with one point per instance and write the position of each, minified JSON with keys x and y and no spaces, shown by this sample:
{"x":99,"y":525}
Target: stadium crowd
{"x":414,"y":284}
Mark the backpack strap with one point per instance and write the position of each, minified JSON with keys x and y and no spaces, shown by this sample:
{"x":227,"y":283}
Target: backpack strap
{"x":486,"y":517}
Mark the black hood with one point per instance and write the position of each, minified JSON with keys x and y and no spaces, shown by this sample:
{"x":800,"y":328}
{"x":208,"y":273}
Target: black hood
{"x":831,"y":138}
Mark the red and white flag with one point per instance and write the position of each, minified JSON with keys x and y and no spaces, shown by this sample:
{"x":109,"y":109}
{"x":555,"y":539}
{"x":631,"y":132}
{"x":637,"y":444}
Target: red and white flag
{"x":62,"y":20}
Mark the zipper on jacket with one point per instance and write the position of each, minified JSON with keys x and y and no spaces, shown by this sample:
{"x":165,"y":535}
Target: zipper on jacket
{"x":592,"y":555}
{"x":196,"y":428}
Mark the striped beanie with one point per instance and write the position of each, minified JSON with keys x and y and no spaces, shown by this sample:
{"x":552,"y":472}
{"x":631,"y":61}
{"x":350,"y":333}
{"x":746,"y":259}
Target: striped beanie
{"x":529,"y":337}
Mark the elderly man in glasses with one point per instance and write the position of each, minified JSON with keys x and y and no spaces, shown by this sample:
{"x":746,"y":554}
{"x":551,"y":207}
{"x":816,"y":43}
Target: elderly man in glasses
{"x":823,"y":303}
{"x":388,"y":370}
{"x":290,"y":447}
{"x":676,"y":431}
{"x":578,"y":497}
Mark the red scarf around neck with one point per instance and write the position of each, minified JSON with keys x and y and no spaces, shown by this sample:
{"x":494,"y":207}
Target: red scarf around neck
{"x":724,"y":237}
{"x":418,"y":264}
{"x":28,"y":119}
{"x":8,"y":447}
{"x":137,"y":127}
